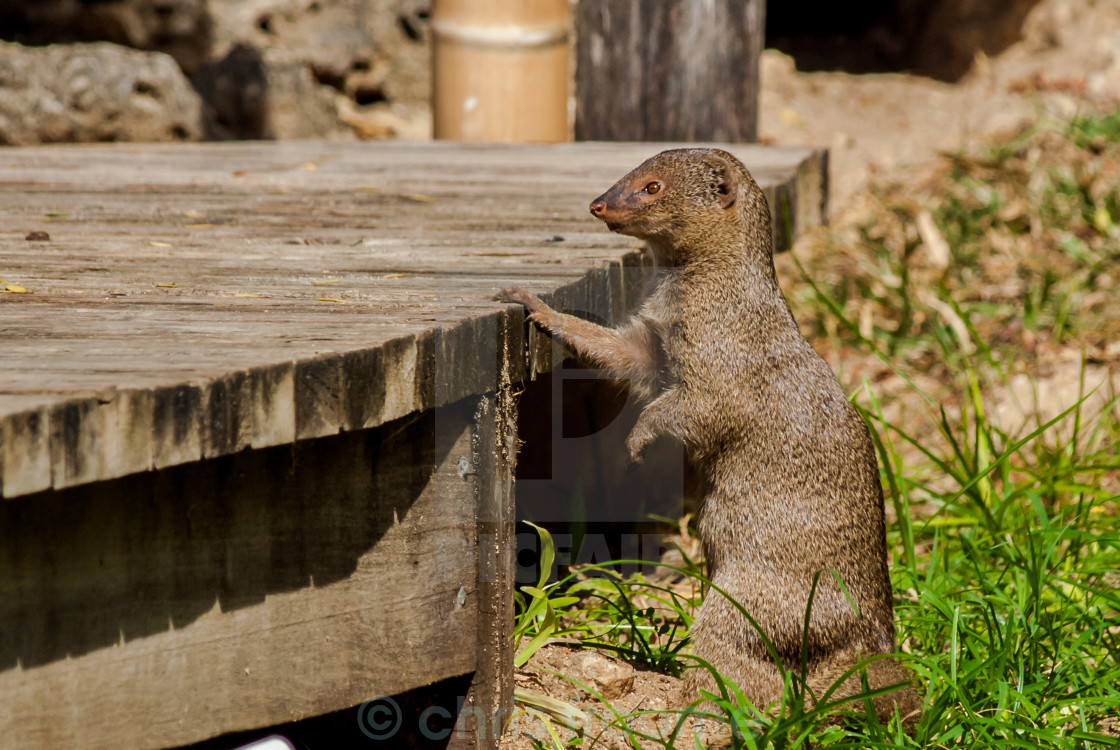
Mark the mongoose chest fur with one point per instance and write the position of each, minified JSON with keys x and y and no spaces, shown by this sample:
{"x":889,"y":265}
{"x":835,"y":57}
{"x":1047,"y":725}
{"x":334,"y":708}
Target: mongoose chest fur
{"x":789,"y":480}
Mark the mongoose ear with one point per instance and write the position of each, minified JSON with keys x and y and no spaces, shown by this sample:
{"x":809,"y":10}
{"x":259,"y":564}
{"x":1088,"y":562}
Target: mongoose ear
{"x":727,"y":188}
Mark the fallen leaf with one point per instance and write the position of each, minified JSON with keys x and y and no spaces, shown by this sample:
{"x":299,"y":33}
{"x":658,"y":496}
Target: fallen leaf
{"x":951,"y":319}
{"x":310,"y":166}
{"x":325,"y":281}
{"x":194,"y":214}
{"x":37,"y":236}
{"x":418,"y":197}
{"x":937,"y":249}
{"x":240,"y":172}
{"x":56,"y":216}
{"x":330,"y":299}
{"x":155,"y":243}
{"x":277,"y":191}
{"x":393,"y":276}
{"x":17,"y":289}
{"x":789,"y":117}
{"x":251,"y":296}
{"x":367,"y":190}
{"x":168,"y":286}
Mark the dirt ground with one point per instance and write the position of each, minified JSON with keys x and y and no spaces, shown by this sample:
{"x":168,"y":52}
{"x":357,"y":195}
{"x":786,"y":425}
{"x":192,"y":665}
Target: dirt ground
{"x":892,"y":124}
{"x":889,"y":126}
{"x":892,"y":127}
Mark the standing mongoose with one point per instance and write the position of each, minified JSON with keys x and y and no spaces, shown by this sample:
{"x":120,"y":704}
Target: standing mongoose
{"x":789,"y":482}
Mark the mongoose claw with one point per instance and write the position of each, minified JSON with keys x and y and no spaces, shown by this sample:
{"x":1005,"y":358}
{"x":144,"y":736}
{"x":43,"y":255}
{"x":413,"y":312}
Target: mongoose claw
{"x":515,"y":295}
{"x":536,"y":310}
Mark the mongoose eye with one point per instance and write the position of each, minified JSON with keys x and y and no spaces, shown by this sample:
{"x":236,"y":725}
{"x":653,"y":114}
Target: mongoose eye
{"x":653,"y":188}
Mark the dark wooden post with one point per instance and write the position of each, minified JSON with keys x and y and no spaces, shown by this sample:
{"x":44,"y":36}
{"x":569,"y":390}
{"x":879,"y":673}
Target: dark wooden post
{"x":668,"y":70}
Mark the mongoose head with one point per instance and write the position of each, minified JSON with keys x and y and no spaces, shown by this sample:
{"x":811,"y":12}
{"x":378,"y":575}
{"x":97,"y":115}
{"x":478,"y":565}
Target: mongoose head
{"x":674,"y":195}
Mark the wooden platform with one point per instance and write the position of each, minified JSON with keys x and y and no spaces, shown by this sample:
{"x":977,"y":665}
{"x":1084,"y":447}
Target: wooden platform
{"x":217,"y":343}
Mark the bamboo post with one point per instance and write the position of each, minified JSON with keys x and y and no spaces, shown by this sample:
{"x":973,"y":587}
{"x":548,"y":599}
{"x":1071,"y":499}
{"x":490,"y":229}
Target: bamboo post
{"x":500,"y":70}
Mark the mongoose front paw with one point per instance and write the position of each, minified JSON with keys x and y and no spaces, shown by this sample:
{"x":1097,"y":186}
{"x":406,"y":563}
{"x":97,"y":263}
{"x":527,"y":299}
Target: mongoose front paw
{"x":636,"y":444}
{"x":516,"y":295}
{"x":538,"y":311}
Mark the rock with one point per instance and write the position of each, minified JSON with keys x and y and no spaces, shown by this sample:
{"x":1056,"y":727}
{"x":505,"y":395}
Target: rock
{"x":1043,"y":27}
{"x":315,"y":68}
{"x":325,"y":34}
{"x":1105,"y":83}
{"x":93,"y":92}
{"x":254,"y":94}
{"x":841,"y":141}
{"x":944,"y":37}
{"x":312,"y":68}
{"x":609,"y":677}
{"x":181,"y":28}
{"x":369,"y":50}
{"x":409,"y":122}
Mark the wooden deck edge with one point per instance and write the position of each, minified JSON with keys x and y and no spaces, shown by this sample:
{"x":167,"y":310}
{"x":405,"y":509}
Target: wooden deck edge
{"x":278,"y":584}
{"x":119,"y":432}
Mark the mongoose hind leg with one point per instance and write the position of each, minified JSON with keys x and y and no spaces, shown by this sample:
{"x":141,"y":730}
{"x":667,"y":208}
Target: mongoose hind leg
{"x":881,"y":673}
{"x":762,"y":685}
{"x":726,"y":640}
{"x":757,"y":677}
{"x":722,"y":636}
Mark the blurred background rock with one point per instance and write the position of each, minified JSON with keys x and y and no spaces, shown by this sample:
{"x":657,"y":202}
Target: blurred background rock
{"x":282,"y":69}
{"x":259,"y":69}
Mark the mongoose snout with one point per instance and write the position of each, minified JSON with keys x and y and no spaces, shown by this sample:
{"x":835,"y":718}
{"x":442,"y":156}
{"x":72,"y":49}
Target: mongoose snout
{"x":791,"y":498}
{"x":657,"y":201}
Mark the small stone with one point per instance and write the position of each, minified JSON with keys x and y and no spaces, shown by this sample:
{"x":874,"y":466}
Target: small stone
{"x":611,"y":678}
{"x":38,"y":236}
{"x":88,"y":93}
{"x":842,"y":141}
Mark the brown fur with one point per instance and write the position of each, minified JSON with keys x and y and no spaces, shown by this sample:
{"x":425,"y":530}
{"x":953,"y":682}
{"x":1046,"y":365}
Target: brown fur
{"x":790,"y":483}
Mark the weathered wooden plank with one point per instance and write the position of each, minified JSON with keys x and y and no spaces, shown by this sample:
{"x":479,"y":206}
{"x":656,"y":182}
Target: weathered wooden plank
{"x":227,"y":415}
{"x":249,"y":590}
{"x":318,"y":397}
{"x":271,"y":568}
{"x":185,"y":294}
{"x":177,"y":414}
{"x":25,"y":458}
{"x":127,"y":418}
{"x":273,"y":411}
{"x":489,"y":702}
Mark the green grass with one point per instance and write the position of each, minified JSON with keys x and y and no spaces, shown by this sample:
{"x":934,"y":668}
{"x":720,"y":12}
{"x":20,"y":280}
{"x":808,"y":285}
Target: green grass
{"x":1009,"y":588}
{"x":1007,"y":605}
{"x":1031,"y":224}
{"x":1004,"y":543}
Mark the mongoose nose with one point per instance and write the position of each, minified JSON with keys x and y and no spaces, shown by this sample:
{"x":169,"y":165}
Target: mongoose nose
{"x":598,"y":207}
